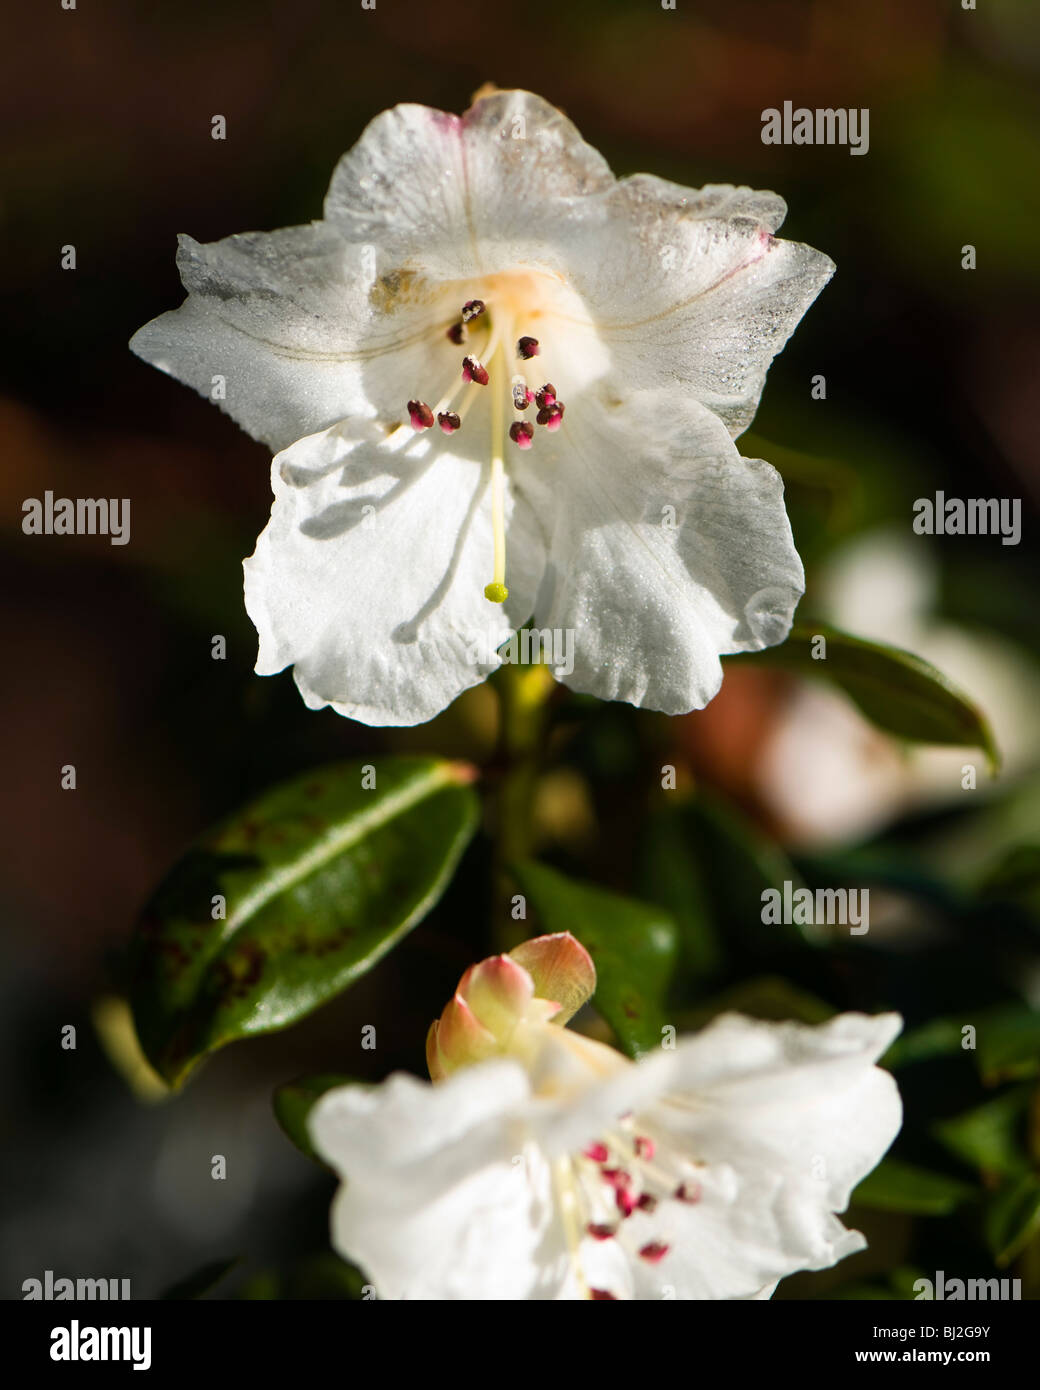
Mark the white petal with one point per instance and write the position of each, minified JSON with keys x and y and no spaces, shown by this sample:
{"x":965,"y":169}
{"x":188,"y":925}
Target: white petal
{"x":462,"y":196}
{"x":689,"y":288}
{"x":437,"y":1202}
{"x":303,"y":330}
{"x":787,"y":1119}
{"x":370,"y":575}
{"x":666,"y":548}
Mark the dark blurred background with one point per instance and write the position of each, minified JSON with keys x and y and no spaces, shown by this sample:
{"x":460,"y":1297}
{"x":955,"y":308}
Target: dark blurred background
{"x":933,"y":375}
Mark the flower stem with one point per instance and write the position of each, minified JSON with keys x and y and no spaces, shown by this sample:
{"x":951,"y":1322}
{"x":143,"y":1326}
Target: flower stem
{"x":523,"y":694}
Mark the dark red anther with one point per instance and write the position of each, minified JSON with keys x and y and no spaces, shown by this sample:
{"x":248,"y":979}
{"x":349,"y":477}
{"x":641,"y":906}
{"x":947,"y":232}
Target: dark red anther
{"x":420,"y":415}
{"x":449,"y":421}
{"x":545,"y":396}
{"x":655,"y":1252}
{"x":599,"y":1153}
{"x":626,"y":1201}
{"x":617,"y":1177}
{"x":457,"y":334}
{"x":552,"y":416}
{"x":644,"y":1147}
{"x":473,"y":371}
{"x":527,"y":347}
{"x":647,"y":1203}
{"x":472,"y":309}
{"x":688,"y":1192}
{"x":599,"y":1295}
{"x":521,"y":396}
{"x":522,"y":434}
{"x":600,"y":1232}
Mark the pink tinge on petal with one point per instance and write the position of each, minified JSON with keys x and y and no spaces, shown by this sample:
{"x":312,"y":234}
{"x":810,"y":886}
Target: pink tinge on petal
{"x":498,"y":990}
{"x":561,"y":969}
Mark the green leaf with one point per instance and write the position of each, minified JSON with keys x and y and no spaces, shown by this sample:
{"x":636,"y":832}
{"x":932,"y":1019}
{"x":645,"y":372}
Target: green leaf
{"x":633,"y":945}
{"x":199,"y":1283}
{"x":1012,"y":1218}
{"x":992,"y":1136}
{"x":671,"y":877}
{"x":1008,"y":1043}
{"x":941,"y":1037}
{"x":765,"y":996}
{"x":294,"y":1101}
{"x":897,"y":691}
{"x":896,"y":1186}
{"x":320,"y":877}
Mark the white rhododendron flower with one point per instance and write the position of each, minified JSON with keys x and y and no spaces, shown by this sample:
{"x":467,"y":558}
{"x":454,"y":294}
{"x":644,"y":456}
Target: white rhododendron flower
{"x":542,"y":1164}
{"x":505,"y":386}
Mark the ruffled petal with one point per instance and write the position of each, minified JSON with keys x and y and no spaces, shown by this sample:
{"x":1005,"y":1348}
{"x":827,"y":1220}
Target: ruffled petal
{"x":786,"y":1120}
{"x":665,"y":548}
{"x":459,"y":196}
{"x":370,"y":576}
{"x":294,"y":330}
{"x":436,"y":1201}
{"x":689,"y":288}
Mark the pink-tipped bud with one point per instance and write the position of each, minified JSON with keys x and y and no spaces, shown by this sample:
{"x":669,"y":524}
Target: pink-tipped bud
{"x":527,"y":348}
{"x":522,"y":434}
{"x":562,"y":969}
{"x":449,"y":421}
{"x":472,"y":309}
{"x":457,"y":334}
{"x":473,"y":371}
{"x":545,"y":396}
{"x":420,"y":415}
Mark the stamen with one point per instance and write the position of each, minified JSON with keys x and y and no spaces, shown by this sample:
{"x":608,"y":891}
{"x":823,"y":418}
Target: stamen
{"x":449,"y":421}
{"x":496,"y":591}
{"x":457,"y":334}
{"x":522,"y":434}
{"x":527,"y":348}
{"x":598,"y":1295}
{"x":552,"y":416}
{"x":654,"y":1252}
{"x":688,"y":1192}
{"x":600,"y":1232}
{"x":545,"y":396}
{"x":598,"y":1153}
{"x":644,"y":1147}
{"x":420,"y":415}
{"x":522,"y":395}
{"x":472,"y":309}
{"x":473,"y":371}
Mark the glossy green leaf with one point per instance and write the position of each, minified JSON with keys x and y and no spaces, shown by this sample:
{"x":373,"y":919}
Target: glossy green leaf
{"x":633,"y":945}
{"x":765,"y":996}
{"x":992,"y":1136}
{"x":897,"y":691}
{"x":672,"y":877}
{"x":940,"y":1037}
{"x":897,"y":1186}
{"x":293,"y":1102}
{"x":318,"y":878}
{"x":1012,"y":1218}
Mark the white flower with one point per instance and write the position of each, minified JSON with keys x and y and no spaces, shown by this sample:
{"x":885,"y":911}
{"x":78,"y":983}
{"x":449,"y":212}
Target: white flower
{"x":555,"y":1168}
{"x":651,"y":311}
